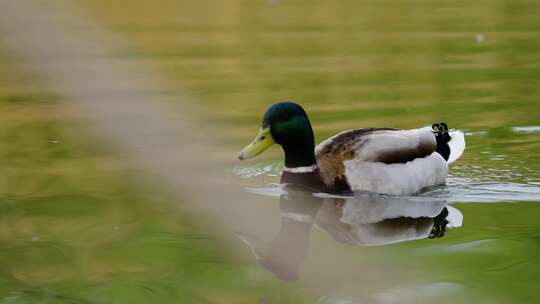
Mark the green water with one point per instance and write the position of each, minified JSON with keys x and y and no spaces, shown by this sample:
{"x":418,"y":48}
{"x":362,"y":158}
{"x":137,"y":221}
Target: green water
{"x":79,"y":225}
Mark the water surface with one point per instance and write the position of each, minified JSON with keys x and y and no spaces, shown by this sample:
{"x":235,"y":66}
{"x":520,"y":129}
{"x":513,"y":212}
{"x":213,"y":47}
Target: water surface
{"x":79,"y":225}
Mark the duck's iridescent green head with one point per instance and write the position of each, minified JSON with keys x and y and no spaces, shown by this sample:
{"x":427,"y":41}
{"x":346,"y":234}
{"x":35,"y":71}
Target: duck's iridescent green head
{"x":287,"y":124}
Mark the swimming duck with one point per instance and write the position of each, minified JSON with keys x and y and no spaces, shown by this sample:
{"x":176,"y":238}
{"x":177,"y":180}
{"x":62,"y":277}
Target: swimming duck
{"x":380,"y":160}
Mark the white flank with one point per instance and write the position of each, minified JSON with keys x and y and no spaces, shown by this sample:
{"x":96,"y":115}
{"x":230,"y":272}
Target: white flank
{"x":456,"y":144}
{"x":396,"y":179}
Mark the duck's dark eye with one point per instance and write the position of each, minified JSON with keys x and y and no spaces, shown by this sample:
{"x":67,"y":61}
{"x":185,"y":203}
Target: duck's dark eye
{"x":263,"y":137}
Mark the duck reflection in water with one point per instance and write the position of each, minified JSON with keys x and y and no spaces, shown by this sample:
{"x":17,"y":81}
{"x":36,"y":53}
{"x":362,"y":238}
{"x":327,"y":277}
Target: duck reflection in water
{"x":360,"y":220}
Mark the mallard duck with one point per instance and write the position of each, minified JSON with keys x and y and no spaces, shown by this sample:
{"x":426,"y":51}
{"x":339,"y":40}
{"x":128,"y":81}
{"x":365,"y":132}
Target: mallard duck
{"x":380,"y":160}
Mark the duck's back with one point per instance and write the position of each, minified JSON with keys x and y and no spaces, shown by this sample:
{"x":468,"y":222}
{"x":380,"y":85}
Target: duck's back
{"x":386,"y":161}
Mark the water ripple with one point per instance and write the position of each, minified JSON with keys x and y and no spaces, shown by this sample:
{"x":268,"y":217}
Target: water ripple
{"x":467,"y":183}
{"x":526,"y":129}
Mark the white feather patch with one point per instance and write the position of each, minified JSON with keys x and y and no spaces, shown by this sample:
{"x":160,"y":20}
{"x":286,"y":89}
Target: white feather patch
{"x":454,"y":218}
{"x":396,"y":179}
{"x":305,"y":169}
{"x":456,"y":144}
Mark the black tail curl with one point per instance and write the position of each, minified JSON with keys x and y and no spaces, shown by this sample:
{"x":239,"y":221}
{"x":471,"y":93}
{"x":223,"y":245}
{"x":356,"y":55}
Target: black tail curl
{"x":442,"y":137}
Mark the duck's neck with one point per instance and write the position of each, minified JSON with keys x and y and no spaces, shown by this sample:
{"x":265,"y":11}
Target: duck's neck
{"x":301,"y":167}
{"x":300,"y":155}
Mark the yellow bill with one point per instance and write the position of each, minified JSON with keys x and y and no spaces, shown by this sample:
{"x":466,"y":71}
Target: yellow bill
{"x":262,"y":141}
